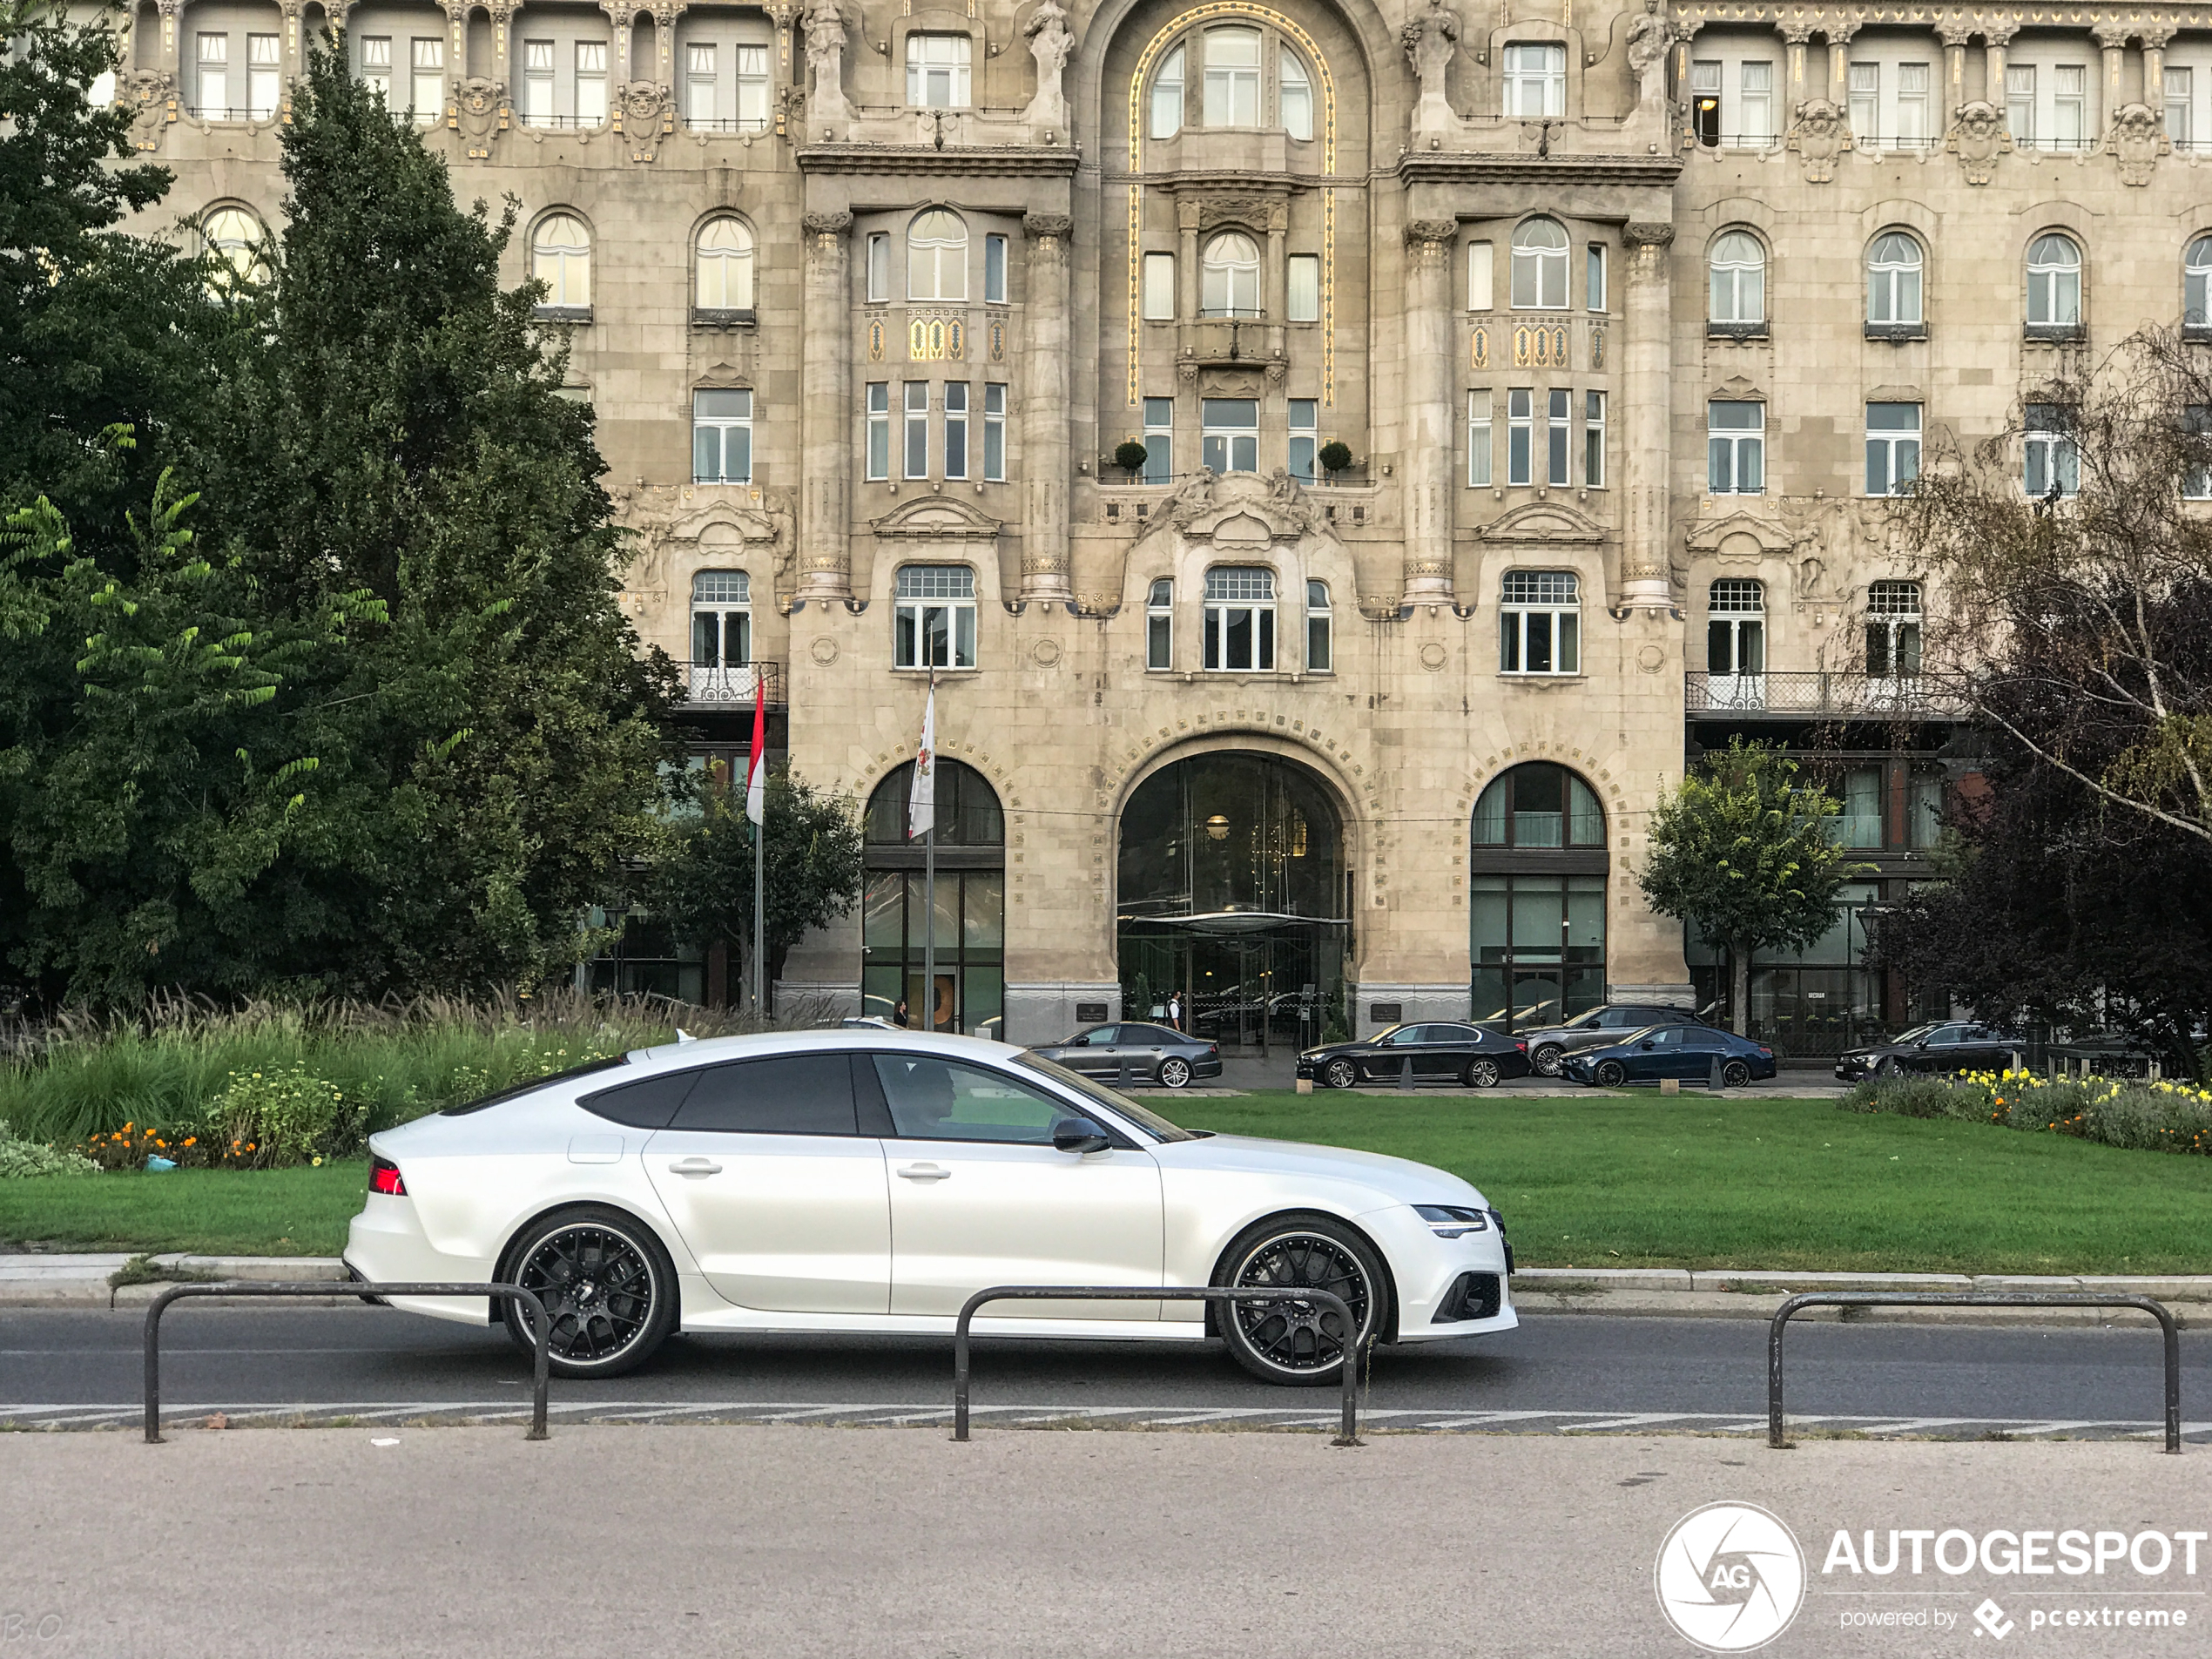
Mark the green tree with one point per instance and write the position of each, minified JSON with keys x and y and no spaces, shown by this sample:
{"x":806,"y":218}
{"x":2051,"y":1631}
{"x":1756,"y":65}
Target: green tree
{"x":703,"y":884}
{"x":1741,"y":852}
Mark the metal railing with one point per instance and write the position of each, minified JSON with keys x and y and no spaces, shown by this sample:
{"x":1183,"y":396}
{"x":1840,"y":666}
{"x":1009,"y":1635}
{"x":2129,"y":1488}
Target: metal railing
{"x":540,"y":1362}
{"x":716,"y":685}
{"x":1970,"y":1299}
{"x":1811,"y":691}
{"x":1328,"y":1301}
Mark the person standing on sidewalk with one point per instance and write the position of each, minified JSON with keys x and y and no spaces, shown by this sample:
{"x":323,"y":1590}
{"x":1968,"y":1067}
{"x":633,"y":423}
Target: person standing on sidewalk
{"x":1175,"y":1010}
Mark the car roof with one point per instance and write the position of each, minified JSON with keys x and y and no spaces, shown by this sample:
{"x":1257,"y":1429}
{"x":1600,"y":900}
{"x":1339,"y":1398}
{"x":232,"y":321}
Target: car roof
{"x":703,"y":1051}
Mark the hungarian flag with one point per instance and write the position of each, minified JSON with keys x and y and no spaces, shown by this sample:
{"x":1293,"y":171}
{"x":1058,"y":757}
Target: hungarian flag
{"x":756,"y":788}
{"x":921,"y":798}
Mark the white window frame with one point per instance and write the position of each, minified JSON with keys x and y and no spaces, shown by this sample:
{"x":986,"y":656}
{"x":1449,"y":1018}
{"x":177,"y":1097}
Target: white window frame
{"x":701,"y":79}
{"x":913,"y":431}
{"x":1892,"y":452}
{"x":2049,"y":453}
{"x":1294,"y":95}
{"x":1893,"y":615}
{"x":2020,"y":104}
{"x":936,"y":265}
{"x":1305,"y":424}
{"x":878,"y":413}
{"x":2196,"y":283}
{"x":537,"y":83}
{"x":2057,"y":90}
{"x":993,"y":270}
{"x":731,"y":420}
{"x":1539,"y":624}
{"x":212,"y":76}
{"x":878,"y":267}
{"x":1520,"y":436}
{"x":1539,"y":268}
{"x":1159,"y":626}
{"x":1740,"y":442}
{"x":1482,"y":270}
{"x":1164,"y":110}
{"x":1320,"y":629}
{"x":1302,"y":287}
{"x":264,"y":75}
{"x":1706,"y":115}
{"x":1231,"y":442}
{"x":1594,"y":440}
{"x":720,"y":598}
{"x":1863,"y":101}
{"x":752,"y":87}
{"x":426,"y":56}
{"x":956,"y":396}
{"x":1481,"y":437}
{"x":1229,"y":275}
{"x":2178,"y":104}
{"x":1229,"y":96}
{"x":563,"y":266}
{"x":934,"y":617}
{"x":1735,"y":281}
{"x":1535,"y":80}
{"x":1558,"y":441}
{"x":2053,"y":285}
{"x":1594,"y":287}
{"x":376,"y":65}
{"x":1158,"y":291}
{"x":995,"y":432}
{"x":1159,"y":440}
{"x":589,"y":58}
{"x":1754,"y":126}
{"x":2196,"y":479}
{"x":1235,"y":592}
{"x":1736,"y":634}
{"x":725,"y":275}
{"x":940,"y":67}
{"x":1895,"y":285}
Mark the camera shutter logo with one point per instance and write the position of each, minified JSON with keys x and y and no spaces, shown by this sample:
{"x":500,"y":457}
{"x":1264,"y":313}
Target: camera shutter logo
{"x":1730,"y":1577}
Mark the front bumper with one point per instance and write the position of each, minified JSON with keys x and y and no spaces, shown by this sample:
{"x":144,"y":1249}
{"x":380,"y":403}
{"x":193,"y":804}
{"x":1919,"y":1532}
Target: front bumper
{"x":1852,"y":1069}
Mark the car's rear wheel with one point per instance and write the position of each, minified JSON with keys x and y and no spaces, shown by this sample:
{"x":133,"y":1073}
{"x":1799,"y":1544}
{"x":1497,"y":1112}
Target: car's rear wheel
{"x":1481,"y":1073}
{"x":608,"y":1287}
{"x":1292,"y":1342}
{"x":1340,"y":1074}
{"x":1611,"y":1074}
{"x":1174,"y":1072}
{"x":1547,"y":1059}
{"x":1735,"y":1075}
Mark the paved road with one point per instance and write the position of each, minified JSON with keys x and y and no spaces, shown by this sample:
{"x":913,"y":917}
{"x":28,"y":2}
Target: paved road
{"x":1560,"y":1371}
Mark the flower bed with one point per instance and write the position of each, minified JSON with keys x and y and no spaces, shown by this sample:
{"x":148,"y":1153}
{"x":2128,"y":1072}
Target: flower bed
{"x":2126,"y":1112}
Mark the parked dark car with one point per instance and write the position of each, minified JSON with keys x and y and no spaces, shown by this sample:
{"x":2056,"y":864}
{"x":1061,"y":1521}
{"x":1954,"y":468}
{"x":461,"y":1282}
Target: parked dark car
{"x":1137,"y":1052}
{"x":1441,"y":1052}
{"x":1685,"y":1048}
{"x":1549,"y":1045}
{"x":1940,"y":1045}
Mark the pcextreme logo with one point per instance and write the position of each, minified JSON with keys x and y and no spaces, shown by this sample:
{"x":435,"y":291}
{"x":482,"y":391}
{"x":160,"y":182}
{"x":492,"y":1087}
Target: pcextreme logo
{"x":1730,"y":1577}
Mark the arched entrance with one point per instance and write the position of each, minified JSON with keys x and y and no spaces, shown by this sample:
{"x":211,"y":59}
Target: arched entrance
{"x":1536,"y":898}
{"x":1233,"y":895}
{"x":970,"y":992}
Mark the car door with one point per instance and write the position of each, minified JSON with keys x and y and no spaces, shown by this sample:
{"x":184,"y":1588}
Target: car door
{"x":1445,"y":1051}
{"x":1384,"y":1058}
{"x":1937,"y":1053}
{"x":980,"y":1196}
{"x":774,"y":1189}
{"x":1090,"y":1052}
{"x":1701,"y":1045}
{"x":1655,"y":1054}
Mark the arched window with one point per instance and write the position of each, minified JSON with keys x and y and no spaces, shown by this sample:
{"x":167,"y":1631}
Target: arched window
{"x":1320,"y":622}
{"x":722,"y":637}
{"x":1232,"y":78}
{"x":1736,"y":627}
{"x":2053,"y":283}
{"x":1738,"y":267}
{"x":970,"y":836}
{"x":1295,"y":103}
{"x":1229,"y":277}
{"x":2197,"y":283}
{"x":560,"y":259}
{"x":725,"y":267}
{"x":1540,"y":266}
{"x":1159,"y":624}
{"x":1893,"y":279}
{"x":937,"y":256}
{"x":235,"y":236}
{"x":1893,"y":628}
{"x":1167,"y":96}
{"x":1536,"y":922}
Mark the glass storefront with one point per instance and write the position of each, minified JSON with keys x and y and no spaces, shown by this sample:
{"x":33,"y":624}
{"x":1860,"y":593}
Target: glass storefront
{"x":970,"y":922}
{"x":1818,"y":1002}
{"x":646,"y":960}
{"x":1536,"y":898}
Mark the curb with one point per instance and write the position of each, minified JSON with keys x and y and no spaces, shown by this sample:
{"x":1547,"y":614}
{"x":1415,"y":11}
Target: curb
{"x":66,"y":1281}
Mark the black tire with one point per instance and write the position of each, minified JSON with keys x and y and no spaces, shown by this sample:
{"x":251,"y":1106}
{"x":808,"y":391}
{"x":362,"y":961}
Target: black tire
{"x":1735,"y":1075}
{"x":607,"y":1283}
{"x":1887,"y":1066}
{"x":1545,"y":1061}
{"x":1174,"y":1072}
{"x":1340,"y":1074}
{"x":1296,"y":1345}
{"x":1481,"y":1073}
{"x":1611,"y":1074}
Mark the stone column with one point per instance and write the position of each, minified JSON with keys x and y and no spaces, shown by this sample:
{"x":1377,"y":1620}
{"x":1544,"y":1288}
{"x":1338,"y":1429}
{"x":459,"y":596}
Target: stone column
{"x":2154,"y":72}
{"x":826,"y":436}
{"x":1647,"y":445}
{"x":1425,"y":452}
{"x":1995,"y":37}
{"x":172,"y":52}
{"x":1189,"y":212}
{"x":1839,"y":36}
{"x":619,"y":18}
{"x":1796,"y":31}
{"x":1275,"y":277}
{"x":663,"y":65}
{"x":2112,"y":40}
{"x":1954,"y":67}
{"x":1044,"y":411}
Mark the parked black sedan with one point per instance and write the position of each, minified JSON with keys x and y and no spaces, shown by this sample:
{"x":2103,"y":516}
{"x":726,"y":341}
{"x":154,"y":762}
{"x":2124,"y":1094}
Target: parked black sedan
{"x":1438,"y":1052}
{"x":1137,"y":1052}
{"x":1682,"y":1050}
{"x":1594,"y":1029}
{"x":1938,"y":1046}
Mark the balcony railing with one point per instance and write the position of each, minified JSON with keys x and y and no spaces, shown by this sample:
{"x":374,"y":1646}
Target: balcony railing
{"x":1796,"y":692}
{"x":722,"y":685}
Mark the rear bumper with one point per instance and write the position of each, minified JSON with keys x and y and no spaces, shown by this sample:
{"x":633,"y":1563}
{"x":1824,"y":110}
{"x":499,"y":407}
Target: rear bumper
{"x":385,"y":1245}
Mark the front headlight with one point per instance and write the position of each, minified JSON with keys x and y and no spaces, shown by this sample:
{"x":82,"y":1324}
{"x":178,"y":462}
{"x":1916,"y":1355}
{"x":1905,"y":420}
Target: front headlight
{"x":1452,"y":1221}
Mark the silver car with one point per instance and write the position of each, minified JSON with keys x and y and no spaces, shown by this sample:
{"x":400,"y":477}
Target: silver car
{"x":1137,"y":1052}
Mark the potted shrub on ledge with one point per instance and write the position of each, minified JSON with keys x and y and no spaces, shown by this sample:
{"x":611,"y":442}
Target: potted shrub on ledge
{"x":1129,"y":458}
{"x":1335,"y":457}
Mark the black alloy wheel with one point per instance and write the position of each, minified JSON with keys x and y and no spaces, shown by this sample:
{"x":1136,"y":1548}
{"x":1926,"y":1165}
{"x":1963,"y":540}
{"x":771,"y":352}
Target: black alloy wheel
{"x":1545,"y":1061}
{"x":1481,"y":1073}
{"x":1296,"y":1343}
{"x":1611,"y":1074}
{"x":608,"y":1290}
{"x":1735,"y":1075}
{"x":1340,"y":1074}
{"x":1174,"y":1072}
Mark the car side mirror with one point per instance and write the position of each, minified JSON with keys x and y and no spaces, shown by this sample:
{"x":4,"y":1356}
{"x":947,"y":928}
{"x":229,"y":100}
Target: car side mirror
{"x":1078,"y":1135}
{"x":1646,"y":1046}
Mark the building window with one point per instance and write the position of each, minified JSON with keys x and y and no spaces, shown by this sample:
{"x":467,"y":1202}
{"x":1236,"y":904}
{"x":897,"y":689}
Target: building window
{"x":1320,"y":640}
{"x":955,"y":429}
{"x":878,"y":429}
{"x":935,"y":618}
{"x":1520,"y":438}
{"x":1294,"y":102}
{"x":1892,"y":447}
{"x":234,"y":236}
{"x":1540,"y":623}
{"x":2178,"y":85}
{"x":1305,"y":437}
{"x":722,"y":437}
{"x":2052,"y":465}
{"x":1594,"y":276}
{"x":1893,"y":279}
{"x":1736,"y":448}
{"x":264,"y":67}
{"x":376,"y":64}
{"x":752,"y":88}
{"x":1159,"y":287}
{"x":427,"y":63}
{"x":537,"y":83}
{"x":1166,"y":97}
{"x":937,"y":256}
{"x":1479,"y":439}
{"x":2020,"y":102}
{"x":1739,"y":270}
{"x":1240,"y":618}
{"x":1159,"y":440}
{"x":212,"y":60}
{"x":725,"y":267}
{"x":1864,"y":90}
{"x":721,"y":620}
{"x":878,"y":267}
{"x":2197,"y":283}
{"x":1755,"y":106}
{"x":937,"y":70}
{"x":1229,"y":433}
{"x":1479,"y":272}
{"x":2196,"y":469}
{"x":1539,"y":806}
{"x":1559,"y":410}
{"x":591,"y":82}
{"x":1232,"y":78}
{"x":1538,"y":265}
{"x":995,"y":270}
{"x":560,"y":259}
{"x":698,"y":86}
{"x":1912,"y":105}
{"x":1736,"y":626}
{"x":1229,"y":277}
{"x":1705,"y":101}
{"x":1594,"y":440}
{"x":2069,"y":106}
{"x":994,"y":432}
{"x":969,"y":953}
{"x":1893,"y":628}
{"x":2053,"y":283}
{"x":1537,"y":941}
{"x":1159,"y":626}
{"x":1302,"y":287}
{"x":917,"y":444}
{"x":1535,"y":81}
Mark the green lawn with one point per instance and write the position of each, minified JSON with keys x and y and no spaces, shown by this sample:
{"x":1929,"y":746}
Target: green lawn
{"x":1589,"y":1181}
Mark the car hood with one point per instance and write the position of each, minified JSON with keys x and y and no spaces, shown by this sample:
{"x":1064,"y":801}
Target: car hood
{"x":1393,"y":1180}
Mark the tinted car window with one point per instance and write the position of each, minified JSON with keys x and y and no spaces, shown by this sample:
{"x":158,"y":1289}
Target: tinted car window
{"x":942,"y":1100}
{"x":1149,"y":1033}
{"x":1454,"y":1033}
{"x":1614,"y":1019}
{"x":1665,"y":1036}
{"x":805,"y":1094}
{"x":1099,"y":1036}
{"x":648,"y":1103}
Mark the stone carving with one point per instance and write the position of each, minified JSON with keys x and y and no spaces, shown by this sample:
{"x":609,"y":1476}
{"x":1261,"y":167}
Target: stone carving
{"x":1978,"y":137}
{"x":147,"y":93}
{"x":479,"y":109}
{"x":1428,"y":236}
{"x":824,"y":23}
{"x":1243,"y":508}
{"x":2136,"y":141}
{"x":1823,"y":536}
{"x":1430,"y":39}
{"x":1819,"y":136}
{"x":1050,"y":43}
{"x":1650,"y":34}
{"x":1193,"y":499}
{"x":1047,"y":227}
{"x":644,"y":102}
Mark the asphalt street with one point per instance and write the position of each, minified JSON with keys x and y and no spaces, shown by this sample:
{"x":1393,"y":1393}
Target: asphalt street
{"x":82,"y":1368}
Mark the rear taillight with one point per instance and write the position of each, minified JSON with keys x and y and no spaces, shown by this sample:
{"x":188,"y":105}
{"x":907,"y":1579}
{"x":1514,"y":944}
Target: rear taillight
{"x":1522,"y":1047}
{"x":1766,"y":1054}
{"x":1213,"y":1049}
{"x":384,"y":1176}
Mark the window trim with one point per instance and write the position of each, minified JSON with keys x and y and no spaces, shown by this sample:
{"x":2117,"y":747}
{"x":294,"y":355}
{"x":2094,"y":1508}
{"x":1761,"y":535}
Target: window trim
{"x":1525,"y":595}
{"x":1259,"y":613}
{"x":1551,"y":79}
{"x":1543,"y":264}
{"x":1321,"y":627}
{"x":913,"y":424}
{"x":1159,"y":625}
{"x":1228,"y":437}
{"x":1888,"y":439}
{"x":724,"y":425}
{"x":876,"y":416}
{"x":1159,"y":462}
{"x":994,"y":432}
{"x":1481,"y":437}
{"x":910,"y":611}
{"x":1735,"y":437}
{"x":958,"y":70}
{"x":1229,"y":274}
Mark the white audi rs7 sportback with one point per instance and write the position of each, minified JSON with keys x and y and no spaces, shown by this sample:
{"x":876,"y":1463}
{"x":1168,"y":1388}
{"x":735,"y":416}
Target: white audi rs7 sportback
{"x":871,"y":1181}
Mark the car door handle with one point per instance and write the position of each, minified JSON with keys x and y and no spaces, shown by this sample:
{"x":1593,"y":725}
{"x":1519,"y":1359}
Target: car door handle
{"x":695,"y":1166}
{"x":924,"y":1172}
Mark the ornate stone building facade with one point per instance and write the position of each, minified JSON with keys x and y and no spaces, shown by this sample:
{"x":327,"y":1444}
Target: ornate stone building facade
{"x":1518,"y":390}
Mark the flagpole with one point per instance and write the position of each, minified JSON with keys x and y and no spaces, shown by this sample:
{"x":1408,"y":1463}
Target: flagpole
{"x":756,"y":809}
{"x":759,"y":915}
{"x":929,"y":888}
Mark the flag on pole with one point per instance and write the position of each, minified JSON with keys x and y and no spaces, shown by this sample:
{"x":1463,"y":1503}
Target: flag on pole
{"x":921,"y":798}
{"x":756,"y":788}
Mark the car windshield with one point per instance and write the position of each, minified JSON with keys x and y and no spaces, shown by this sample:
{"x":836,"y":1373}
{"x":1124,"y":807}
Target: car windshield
{"x":1582,"y":1022}
{"x":1144,"y":1116}
{"x":1919,"y":1031}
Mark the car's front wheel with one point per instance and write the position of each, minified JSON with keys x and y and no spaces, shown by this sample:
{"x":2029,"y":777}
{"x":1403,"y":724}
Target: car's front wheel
{"x":1340,"y":1074}
{"x":1546,"y":1060}
{"x":1174,"y":1072}
{"x":1611,"y":1074}
{"x":1297,"y":1342}
{"x":1481,"y":1073}
{"x":608,"y":1287}
{"x":1735,"y":1075}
